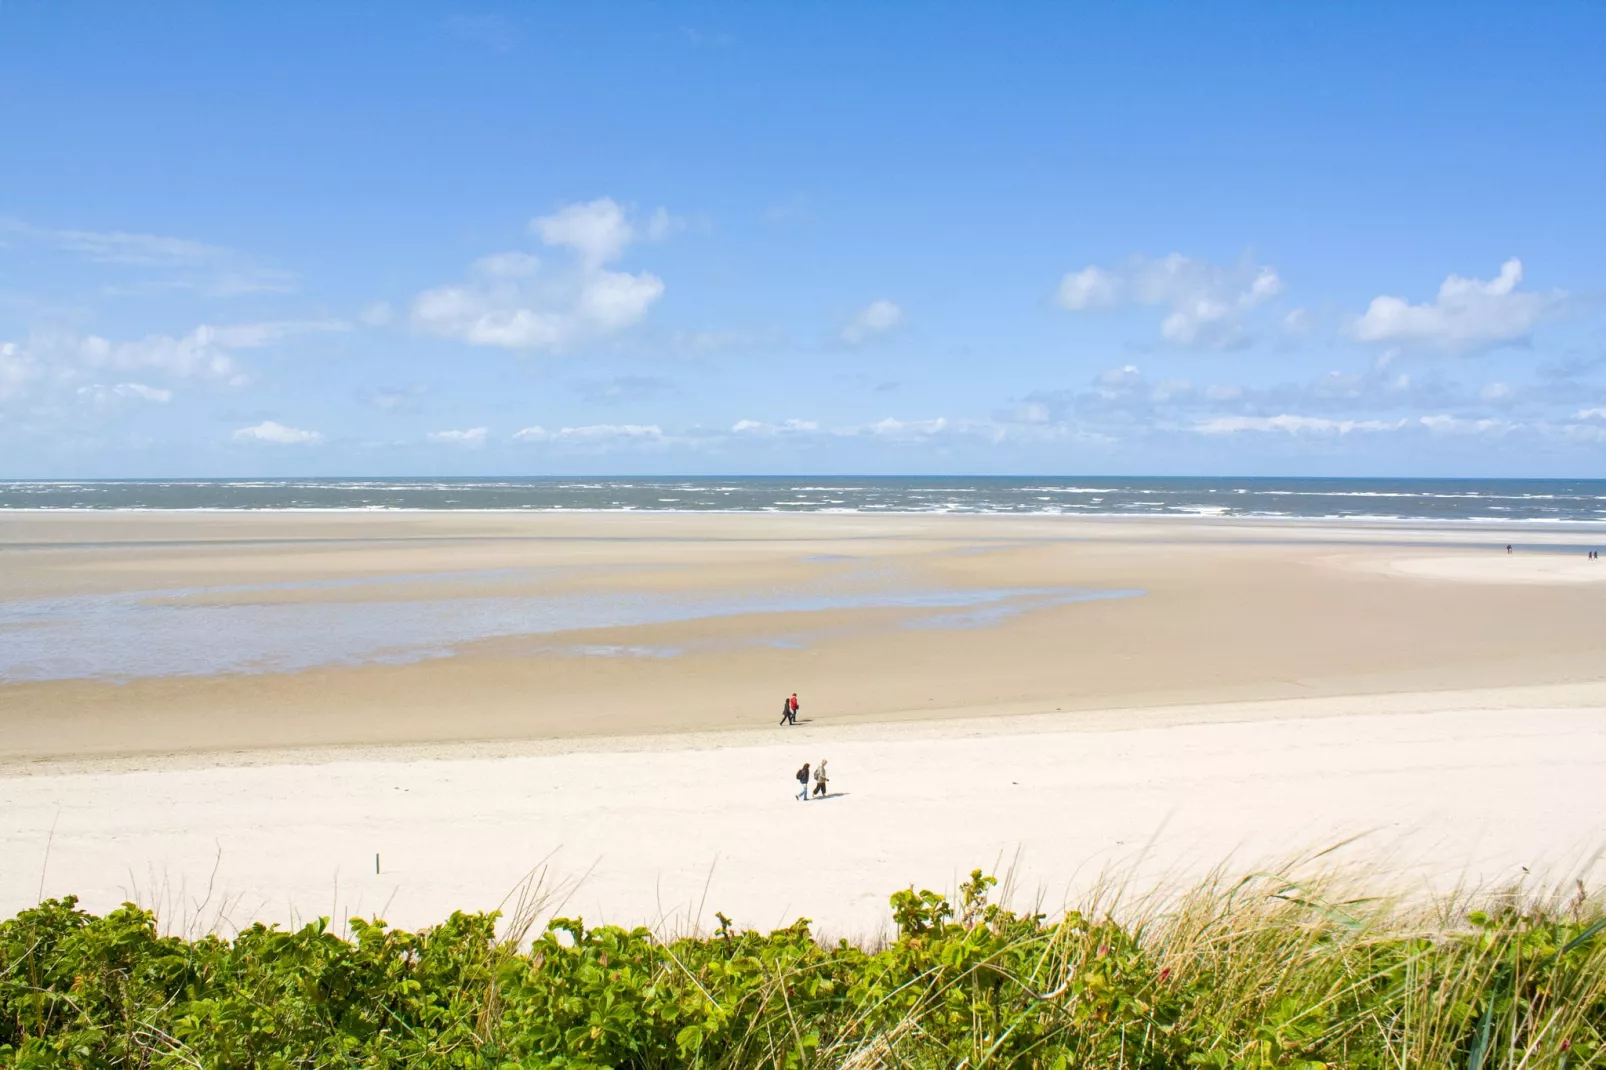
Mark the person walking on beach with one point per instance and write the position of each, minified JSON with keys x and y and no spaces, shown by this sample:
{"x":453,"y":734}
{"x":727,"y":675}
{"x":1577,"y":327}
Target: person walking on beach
{"x":791,"y":704}
{"x":820,"y":782}
{"x":788,"y":712}
{"x":803,"y":780}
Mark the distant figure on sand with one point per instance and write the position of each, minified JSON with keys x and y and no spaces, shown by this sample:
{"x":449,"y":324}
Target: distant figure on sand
{"x":803,"y":781}
{"x":820,"y":782}
{"x":1508,"y":547}
{"x":788,"y":712}
{"x":791,"y":704}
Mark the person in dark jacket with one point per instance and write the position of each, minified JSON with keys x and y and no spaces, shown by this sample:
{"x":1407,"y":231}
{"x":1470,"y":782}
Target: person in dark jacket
{"x":803,"y":782}
{"x":788,"y":714}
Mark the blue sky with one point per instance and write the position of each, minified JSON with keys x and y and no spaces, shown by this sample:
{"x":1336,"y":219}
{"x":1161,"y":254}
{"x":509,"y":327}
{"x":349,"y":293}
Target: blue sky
{"x":519,"y":239}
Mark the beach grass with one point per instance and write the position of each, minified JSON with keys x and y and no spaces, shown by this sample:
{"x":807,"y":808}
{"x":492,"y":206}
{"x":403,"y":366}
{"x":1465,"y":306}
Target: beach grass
{"x":1285,"y":968}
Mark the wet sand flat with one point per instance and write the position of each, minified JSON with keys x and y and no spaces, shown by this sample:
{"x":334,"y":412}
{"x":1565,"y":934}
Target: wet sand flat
{"x":341,"y":629}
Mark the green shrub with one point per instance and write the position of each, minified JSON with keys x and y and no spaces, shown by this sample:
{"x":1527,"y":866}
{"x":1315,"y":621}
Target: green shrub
{"x":1262,"y":973}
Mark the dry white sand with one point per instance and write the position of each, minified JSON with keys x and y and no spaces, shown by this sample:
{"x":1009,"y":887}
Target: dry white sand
{"x":1449,"y":786}
{"x":1549,"y":568}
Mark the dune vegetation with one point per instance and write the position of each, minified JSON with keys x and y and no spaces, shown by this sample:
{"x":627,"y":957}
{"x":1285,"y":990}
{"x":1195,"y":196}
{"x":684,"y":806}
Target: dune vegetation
{"x":1262,"y":971}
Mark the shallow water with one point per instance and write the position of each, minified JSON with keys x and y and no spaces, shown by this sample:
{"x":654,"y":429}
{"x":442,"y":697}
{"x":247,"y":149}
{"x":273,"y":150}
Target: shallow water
{"x":189,"y":631}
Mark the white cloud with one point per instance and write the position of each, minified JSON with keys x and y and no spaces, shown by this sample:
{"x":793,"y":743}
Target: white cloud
{"x":891,"y":429}
{"x":760,"y":429}
{"x":515,"y":303}
{"x":1469,"y":315}
{"x":1207,"y":302}
{"x":271,"y":332}
{"x":597,"y":435}
{"x":119,"y":246}
{"x":875,"y":318}
{"x":1293,"y":425}
{"x":1445,"y":424}
{"x":1592,"y":414}
{"x":1092,"y":287}
{"x":203,"y":353}
{"x":473,"y":437}
{"x":597,"y":230}
{"x":1582,"y":433}
{"x":1122,"y":378}
{"x":102,"y":395}
{"x":212,"y":269}
{"x":18,"y":370}
{"x":907,"y":429}
{"x":277,"y":434}
{"x":615,"y":299}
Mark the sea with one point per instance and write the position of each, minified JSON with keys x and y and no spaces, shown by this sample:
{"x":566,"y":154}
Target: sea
{"x":1525,"y":500}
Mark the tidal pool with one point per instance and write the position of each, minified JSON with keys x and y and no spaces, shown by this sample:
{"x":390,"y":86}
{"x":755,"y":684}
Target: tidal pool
{"x":191,"y":632}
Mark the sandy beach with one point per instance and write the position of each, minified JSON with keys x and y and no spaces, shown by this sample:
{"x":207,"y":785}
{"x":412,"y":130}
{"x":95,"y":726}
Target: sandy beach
{"x":260,"y":703}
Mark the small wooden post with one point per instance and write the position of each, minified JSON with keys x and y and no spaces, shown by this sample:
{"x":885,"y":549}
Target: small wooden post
{"x":376,"y":863}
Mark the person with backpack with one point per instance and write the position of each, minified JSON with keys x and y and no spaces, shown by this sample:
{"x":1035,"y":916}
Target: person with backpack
{"x":788,"y":712}
{"x":821,"y":785}
{"x":803,"y":782}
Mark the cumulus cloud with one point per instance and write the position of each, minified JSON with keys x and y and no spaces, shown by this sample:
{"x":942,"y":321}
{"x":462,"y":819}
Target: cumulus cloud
{"x":53,"y":367}
{"x":877,"y":317}
{"x":597,"y":230}
{"x":277,"y":434}
{"x":207,"y":352}
{"x":1207,"y":302}
{"x":1467,"y":316}
{"x":513,"y":301}
{"x":473,"y":437}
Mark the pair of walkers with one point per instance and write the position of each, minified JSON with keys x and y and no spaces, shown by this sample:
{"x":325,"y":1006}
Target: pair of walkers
{"x":821,"y":783}
{"x":789,"y":709}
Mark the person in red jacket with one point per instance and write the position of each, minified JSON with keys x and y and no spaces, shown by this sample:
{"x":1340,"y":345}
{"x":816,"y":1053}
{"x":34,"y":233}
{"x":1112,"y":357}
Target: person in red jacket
{"x":792,"y":705}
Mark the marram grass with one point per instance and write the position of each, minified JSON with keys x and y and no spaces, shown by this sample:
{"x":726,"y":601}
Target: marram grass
{"x":1260,"y":972}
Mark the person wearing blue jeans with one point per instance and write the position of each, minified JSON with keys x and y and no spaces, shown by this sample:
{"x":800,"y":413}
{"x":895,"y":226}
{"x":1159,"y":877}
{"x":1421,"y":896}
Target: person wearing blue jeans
{"x":803,"y":782}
